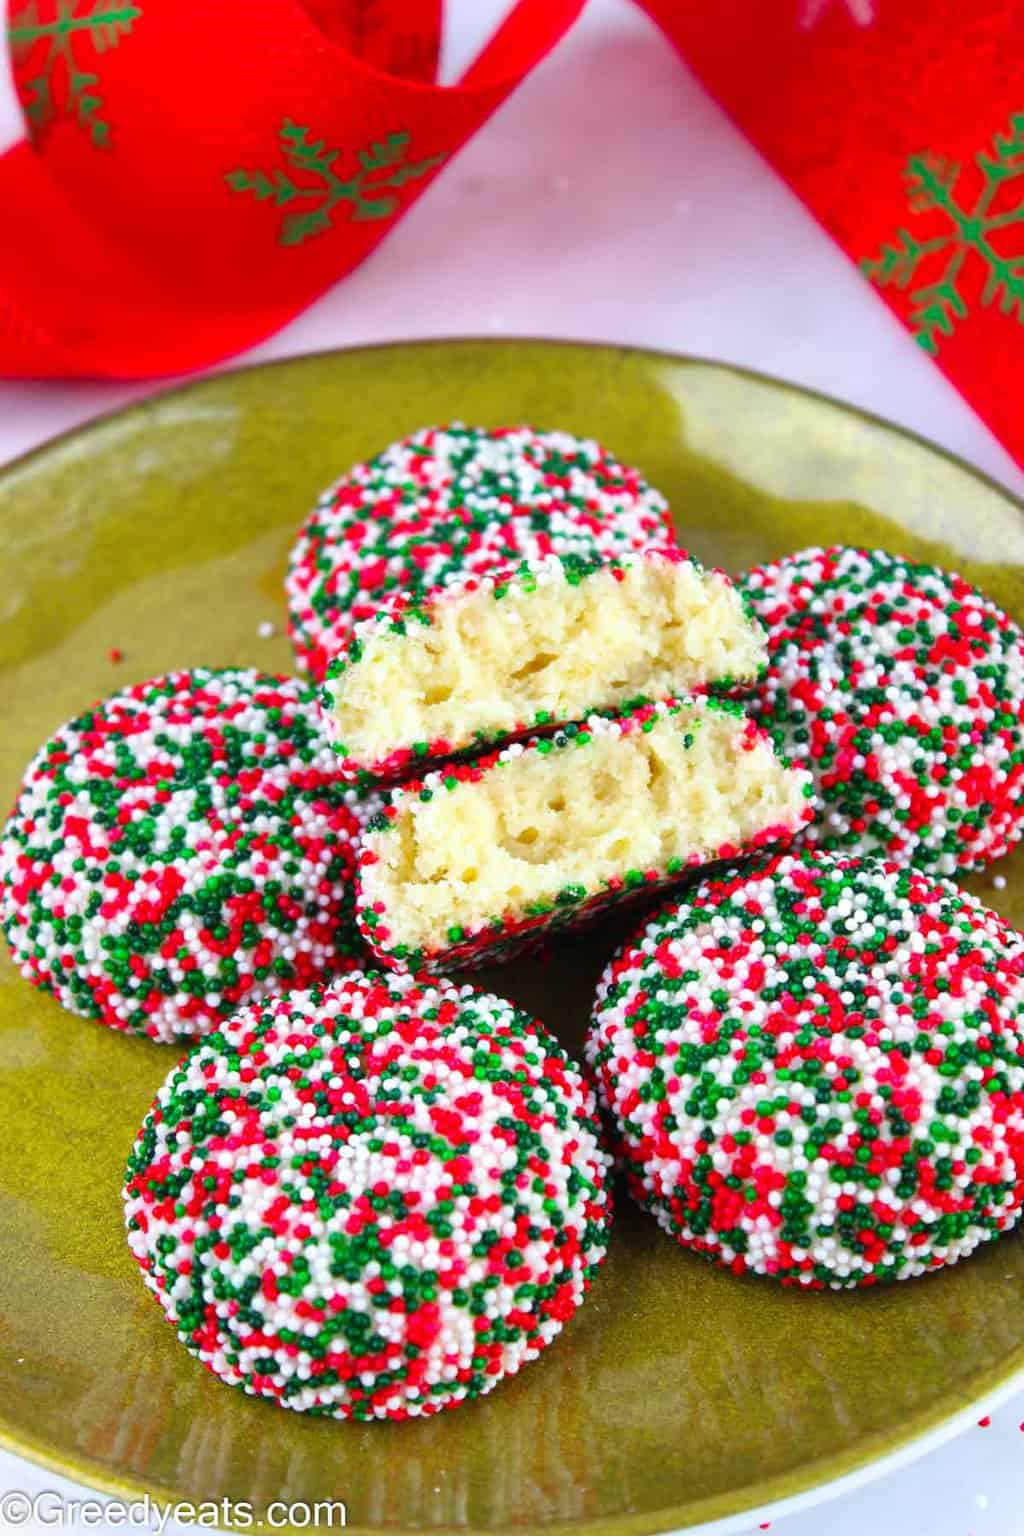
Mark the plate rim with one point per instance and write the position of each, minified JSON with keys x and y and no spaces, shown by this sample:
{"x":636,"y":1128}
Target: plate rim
{"x":773,"y":1502}
{"x":789,"y":1492}
{"x":195,"y":383}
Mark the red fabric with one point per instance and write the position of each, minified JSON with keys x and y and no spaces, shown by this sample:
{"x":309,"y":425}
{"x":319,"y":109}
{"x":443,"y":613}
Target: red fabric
{"x":890,"y":119}
{"x":197,"y":174}
{"x":157,"y":230}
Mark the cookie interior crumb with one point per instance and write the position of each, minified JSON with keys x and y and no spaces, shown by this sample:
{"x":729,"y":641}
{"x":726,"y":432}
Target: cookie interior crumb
{"x":537,"y":823}
{"x":546,"y":650}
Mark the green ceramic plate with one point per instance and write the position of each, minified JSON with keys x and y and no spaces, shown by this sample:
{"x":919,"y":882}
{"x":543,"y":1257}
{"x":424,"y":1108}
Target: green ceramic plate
{"x":678,"y":1395}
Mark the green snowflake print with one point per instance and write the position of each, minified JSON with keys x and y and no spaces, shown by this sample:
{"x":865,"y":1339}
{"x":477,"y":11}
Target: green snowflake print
{"x":370,"y":193}
{"x":62,"y":27}
{"x":965,"y":236}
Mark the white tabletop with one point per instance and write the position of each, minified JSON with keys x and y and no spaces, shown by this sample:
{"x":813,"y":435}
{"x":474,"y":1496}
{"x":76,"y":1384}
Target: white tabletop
{"x":612,"y":200}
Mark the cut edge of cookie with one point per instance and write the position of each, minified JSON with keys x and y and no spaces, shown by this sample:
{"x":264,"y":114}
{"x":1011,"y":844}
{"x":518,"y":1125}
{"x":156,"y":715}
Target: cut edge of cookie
{"x":550,"y":642}
{"x":465,"y":859}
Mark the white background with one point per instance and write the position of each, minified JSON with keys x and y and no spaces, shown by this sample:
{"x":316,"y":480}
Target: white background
{"x":612,"y":200}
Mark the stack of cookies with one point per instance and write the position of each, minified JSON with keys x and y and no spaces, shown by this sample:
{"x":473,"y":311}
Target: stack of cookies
{"x":545,"y":674}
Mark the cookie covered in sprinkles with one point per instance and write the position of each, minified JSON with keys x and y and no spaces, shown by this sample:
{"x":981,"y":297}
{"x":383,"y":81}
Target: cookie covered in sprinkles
{"x":815,"y":1067}
{"x":494,"y":657}
{"x":371,"y":1200}
{"x":479,"y":860}
{"x":451,"y":502}
{"x":179,"y":848}
{"x":902,"y":688}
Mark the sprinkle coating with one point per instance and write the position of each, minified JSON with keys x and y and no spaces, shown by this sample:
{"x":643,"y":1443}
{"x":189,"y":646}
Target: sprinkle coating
{"x":902,"y":688}
{"x":179,"y":848}
{"x":371,"y":1200}
{"x":815,"y":1067}
{"x":448,"y":502}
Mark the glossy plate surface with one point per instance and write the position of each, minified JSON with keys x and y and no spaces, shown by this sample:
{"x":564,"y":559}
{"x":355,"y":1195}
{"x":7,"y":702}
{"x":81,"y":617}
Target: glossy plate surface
{"x":678,"y":1395}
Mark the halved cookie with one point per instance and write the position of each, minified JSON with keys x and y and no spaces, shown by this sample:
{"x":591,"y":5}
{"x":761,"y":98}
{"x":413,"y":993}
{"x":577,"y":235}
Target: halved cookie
{"x":491,"y":658}
{"x":472,"y":861}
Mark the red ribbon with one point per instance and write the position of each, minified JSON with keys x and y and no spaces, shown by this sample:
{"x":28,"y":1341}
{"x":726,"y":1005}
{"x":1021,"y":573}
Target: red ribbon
{"x":196,"y":175}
